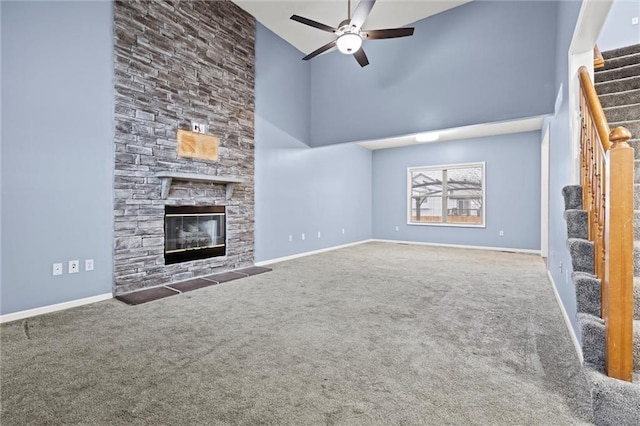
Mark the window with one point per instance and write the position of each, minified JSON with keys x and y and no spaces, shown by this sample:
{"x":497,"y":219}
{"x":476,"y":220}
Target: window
{"x":446,"y":195}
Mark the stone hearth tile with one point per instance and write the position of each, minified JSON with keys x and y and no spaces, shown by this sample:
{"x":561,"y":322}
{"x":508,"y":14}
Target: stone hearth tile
{"x":191,"y":284}
{"x":253,"y":270}
{"x":144,"y":296}
{"x":223,"y":277}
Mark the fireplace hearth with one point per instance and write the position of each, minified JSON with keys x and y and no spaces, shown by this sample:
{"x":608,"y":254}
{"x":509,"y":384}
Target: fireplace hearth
{"x":193,"y":233}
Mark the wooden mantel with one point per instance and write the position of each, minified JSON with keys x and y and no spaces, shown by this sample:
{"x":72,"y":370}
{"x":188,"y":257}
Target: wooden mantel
{"x":168,"y":177}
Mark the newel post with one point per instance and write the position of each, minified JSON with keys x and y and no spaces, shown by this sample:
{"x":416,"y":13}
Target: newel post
{"x":618,"y":280}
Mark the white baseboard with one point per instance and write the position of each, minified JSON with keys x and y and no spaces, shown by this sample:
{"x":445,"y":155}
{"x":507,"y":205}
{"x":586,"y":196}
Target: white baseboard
{"x":308,"y":253}
{"x":54,"y":308}
{"x":567,"y":321}
{"x":516,"y":250}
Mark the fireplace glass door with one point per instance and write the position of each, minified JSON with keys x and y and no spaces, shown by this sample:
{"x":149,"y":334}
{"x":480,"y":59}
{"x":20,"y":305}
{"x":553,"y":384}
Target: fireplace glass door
{"x":194,"y":232}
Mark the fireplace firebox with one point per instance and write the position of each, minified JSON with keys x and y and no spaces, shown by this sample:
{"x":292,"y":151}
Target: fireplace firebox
{"x":194,"y":232}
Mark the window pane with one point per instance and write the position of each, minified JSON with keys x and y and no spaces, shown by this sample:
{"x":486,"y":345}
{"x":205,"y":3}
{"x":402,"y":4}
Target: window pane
{"x":428,"y":211}
{"x":426,"y":196}
{"x":464,"y":195}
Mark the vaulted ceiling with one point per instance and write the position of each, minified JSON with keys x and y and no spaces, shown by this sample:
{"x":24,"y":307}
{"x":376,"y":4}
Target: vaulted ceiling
{"x":385,"y":14}
{"x":275,"y":15}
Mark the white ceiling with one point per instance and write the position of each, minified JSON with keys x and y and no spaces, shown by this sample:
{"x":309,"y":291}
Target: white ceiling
{"x":385,"y":14}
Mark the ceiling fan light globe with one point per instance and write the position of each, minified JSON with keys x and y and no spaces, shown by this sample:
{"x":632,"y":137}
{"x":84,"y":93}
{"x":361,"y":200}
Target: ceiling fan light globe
{"x":349,"y":43}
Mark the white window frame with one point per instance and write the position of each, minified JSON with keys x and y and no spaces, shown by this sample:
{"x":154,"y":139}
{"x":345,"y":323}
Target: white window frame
{"x":441,"y":167}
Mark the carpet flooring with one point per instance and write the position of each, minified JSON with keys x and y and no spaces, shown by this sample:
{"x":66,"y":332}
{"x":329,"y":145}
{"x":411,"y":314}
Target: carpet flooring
{"x":374,"y":334}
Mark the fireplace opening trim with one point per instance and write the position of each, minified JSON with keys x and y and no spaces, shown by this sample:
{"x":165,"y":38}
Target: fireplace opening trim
{"x":194,"y":233}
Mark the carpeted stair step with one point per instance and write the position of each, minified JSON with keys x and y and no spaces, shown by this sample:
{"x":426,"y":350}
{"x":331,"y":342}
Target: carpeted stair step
{"x":636,"y":173}
{"x":622,"y":113}
{"x":636,"y":258}
{"x":572,"y":195}
{"x":635,"y":144}
{"x":592,"y":328}
{"x":615,"y":402}
{"x":628,"y":97}
{"x":615,"y":86}
{"x":636,"y":345}
{"x":581,"y":251}
{"x":576,"y":223}
{"x":632,"y":125}
{"x":593,"y":340}
{"x":617,"y":73}
{"x":620,"y":61}
{"x":622,"y":51}
{"x":636,"y":298}
{"x":588,"y":293}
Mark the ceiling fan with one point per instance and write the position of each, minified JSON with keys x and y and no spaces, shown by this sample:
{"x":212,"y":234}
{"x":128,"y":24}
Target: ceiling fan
{"x":349,"y":33}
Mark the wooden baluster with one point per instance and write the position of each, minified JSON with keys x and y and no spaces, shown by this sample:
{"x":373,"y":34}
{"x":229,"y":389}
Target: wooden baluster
{"x":618,"y":282}
{"x":590,"y":197}
{"x":603,"y":216}
{"x":599,"y":255}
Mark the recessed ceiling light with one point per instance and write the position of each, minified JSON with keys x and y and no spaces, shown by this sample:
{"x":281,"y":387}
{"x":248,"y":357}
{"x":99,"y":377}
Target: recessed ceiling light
{"x":427,"y":137}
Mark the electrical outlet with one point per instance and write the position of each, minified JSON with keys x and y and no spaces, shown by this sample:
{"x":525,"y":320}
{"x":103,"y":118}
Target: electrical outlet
{"x":74,"y":266}
{"x":198,"y":127}
{"x":57,"y":269}
{"x":88,"y":265}
{"x":303,"y":237}
{"x":397,"y":228}
{"x":342,"y":231}
{"x":501,"y":233}
{"x":290,"y":238}
{"x":318,"y":234}
{"x":634,"y":20}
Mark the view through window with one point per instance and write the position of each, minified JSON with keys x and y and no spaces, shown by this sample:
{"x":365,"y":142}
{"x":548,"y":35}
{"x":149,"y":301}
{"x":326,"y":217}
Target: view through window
{"x":446,"y":195}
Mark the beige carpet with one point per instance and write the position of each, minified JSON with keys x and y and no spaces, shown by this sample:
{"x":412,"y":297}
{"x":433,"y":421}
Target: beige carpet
{"x":377,"y":333}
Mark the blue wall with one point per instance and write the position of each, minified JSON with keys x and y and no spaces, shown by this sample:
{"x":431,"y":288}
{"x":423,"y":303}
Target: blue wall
{"x":57,"y":159}
{"x":559,"y":261}
{"x":480,"y":62}
{"x":300,"y":189}
{"x":512,"y":191}
{"x":617,"y":30}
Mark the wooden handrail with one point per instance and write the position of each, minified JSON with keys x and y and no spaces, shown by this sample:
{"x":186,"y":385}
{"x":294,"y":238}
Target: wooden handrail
{"x":598,"y":59}
{"x":607,"y":167}
{"x":595,"y":108}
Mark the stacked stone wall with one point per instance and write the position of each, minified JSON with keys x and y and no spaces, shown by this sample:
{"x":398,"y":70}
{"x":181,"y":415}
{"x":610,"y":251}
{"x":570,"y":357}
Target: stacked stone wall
{"x":178,"y":63}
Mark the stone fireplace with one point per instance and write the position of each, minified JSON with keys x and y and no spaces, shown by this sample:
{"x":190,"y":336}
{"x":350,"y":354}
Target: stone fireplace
{"x":177,"y":63}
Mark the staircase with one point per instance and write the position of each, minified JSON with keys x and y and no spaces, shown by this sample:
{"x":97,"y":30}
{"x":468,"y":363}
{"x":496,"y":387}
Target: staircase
{"x":615,"y":402}
{"x":618,"y":87}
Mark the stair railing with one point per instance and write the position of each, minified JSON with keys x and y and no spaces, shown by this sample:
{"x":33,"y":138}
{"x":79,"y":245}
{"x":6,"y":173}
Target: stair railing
{"x":598,"y":60}
{"x":607,"y":167}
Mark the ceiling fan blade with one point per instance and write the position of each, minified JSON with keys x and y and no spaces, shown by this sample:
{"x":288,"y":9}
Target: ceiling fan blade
{"x":390,"y":33}
{"x":313,"y":24}
{"x":361,"y":13}
{"x":320,"y":50}
{"x":361,"y":57}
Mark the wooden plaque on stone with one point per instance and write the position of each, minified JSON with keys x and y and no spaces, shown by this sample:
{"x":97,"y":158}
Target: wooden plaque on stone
{"x":197,"y":145}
